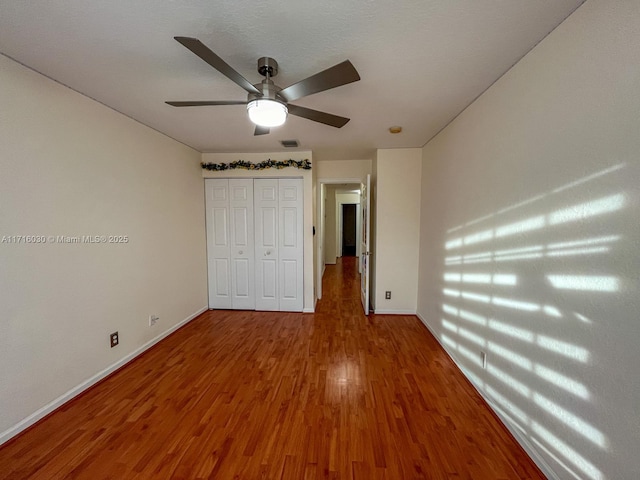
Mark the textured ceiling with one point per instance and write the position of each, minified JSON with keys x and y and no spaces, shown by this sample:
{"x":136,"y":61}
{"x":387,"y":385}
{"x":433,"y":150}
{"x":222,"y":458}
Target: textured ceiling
{"x":421,"y":61}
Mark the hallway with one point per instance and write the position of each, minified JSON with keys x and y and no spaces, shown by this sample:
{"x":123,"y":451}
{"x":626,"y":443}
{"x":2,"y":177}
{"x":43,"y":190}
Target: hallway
{"x":250,"y":395}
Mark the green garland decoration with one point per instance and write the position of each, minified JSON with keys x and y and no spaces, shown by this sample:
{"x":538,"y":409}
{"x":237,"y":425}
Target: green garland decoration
{"x":244,"y":165}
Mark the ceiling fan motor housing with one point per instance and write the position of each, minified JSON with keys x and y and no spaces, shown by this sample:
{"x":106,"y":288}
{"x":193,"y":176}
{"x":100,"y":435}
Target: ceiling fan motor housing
{"x":268,"y":90}
{"x":267,"y":67}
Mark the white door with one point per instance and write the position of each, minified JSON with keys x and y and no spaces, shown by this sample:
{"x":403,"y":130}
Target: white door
{"x":365,"y":208}
{"x":266,"y":243}
{"x":242,"y":244}
{"x":218,"y":242}
{"x":290,"y":251}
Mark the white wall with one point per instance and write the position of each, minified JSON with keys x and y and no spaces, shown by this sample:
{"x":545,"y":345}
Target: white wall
{"x":529,"y":244}
{"x":341,"y":169}
{"x":72,"y":167}
{"x":306,"y":175}
{"x":397,"y":229}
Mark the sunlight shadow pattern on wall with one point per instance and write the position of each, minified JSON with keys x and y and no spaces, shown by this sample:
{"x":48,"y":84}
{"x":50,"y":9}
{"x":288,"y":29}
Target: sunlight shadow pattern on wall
{"x":486,"y":308}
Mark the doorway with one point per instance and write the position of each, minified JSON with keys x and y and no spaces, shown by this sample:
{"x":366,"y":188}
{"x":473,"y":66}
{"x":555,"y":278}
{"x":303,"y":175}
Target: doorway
{"x":332,"y":194}
{"x":349,"y":235}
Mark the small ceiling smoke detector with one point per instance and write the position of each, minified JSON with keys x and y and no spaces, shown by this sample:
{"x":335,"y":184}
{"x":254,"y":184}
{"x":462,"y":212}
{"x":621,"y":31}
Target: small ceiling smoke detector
{"x":395,"y":129}
{"x":289,"y":143}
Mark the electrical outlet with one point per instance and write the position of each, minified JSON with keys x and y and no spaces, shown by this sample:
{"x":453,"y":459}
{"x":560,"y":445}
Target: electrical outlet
{"x":387,"y":295}
{"x":483,"y":359}
{"x":153,"y":319}
{"x":114,"y":339}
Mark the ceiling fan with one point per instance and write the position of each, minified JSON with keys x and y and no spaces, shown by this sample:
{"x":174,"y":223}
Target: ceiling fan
{"x":268,"y":104}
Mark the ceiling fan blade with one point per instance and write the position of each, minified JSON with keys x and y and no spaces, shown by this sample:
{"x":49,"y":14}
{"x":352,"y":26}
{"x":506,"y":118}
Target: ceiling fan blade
{"x":261,"y":130}
{"x":205,"y":103}
{"x":340,"y":74}
{"x":201,"y":50}
{"x":316,"y":116}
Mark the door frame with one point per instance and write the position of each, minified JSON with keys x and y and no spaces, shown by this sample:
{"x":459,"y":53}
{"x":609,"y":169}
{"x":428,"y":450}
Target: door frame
{"x":321,"y":227}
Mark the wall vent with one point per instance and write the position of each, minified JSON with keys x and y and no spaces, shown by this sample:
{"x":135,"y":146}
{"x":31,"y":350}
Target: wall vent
{"x":289,"y":143}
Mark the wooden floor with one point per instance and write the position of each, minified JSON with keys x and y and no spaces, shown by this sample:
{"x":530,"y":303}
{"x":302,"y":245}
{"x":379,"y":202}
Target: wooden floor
{"x":251,"y":395}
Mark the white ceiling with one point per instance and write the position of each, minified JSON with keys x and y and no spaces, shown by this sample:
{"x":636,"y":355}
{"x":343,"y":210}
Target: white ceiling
{"x":421,"y":61}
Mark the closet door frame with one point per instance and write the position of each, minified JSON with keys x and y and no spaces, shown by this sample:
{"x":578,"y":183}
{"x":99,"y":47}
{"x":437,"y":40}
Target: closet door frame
{"x":255,"y":243}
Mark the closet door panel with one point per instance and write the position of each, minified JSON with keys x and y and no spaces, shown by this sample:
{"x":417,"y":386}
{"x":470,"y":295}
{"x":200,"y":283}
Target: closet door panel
{"x":290,"y":247}
{"x":243,"y":279}
{"x":266,"y":243}
{"x":220,"y":230}
{"x":218,"y":242}
{"x":290,"y":226}
{"x":242,"y":244}
{"x":221,"y":283}
{"x":240,"y":227}
{"x":269,"y":274}
{"x":269,"y":232}
{"x":289,"y":280}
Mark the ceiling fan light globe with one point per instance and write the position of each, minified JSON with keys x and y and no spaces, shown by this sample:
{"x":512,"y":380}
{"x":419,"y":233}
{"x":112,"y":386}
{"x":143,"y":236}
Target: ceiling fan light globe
{"x":267,"y":113}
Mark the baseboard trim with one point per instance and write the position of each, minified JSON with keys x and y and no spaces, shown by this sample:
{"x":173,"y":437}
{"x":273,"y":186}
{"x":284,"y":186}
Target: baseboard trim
{"x":308,"y":310}
{"x":515,"y":432}
{"x":394,"y":312}
{"x":77,"y":390}
{"x":424,"y":322}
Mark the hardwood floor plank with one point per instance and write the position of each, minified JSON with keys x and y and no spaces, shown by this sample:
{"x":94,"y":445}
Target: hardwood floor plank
{"x":269,"y":395}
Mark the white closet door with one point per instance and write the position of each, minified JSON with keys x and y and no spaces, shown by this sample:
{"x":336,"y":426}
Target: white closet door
{"x":290,"y":245}
{"x":242,"y":244}
{"x":266,"y":238}
{"x":218,"y":242}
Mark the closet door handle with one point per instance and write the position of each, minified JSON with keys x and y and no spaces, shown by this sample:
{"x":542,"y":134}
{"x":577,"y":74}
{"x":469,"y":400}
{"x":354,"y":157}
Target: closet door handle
{"x":240,"y":252}
{"x":268,"y":252}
